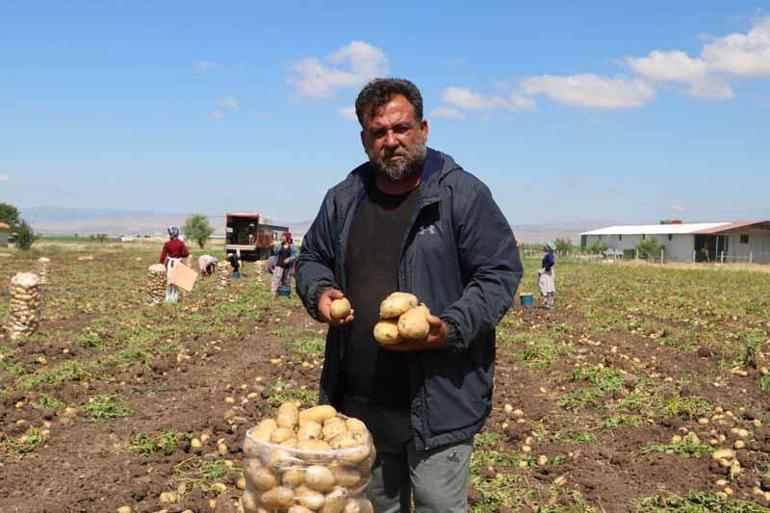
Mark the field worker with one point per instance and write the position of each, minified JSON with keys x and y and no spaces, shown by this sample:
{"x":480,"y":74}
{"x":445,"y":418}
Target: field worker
{"x":235,"y":263}
{"x":410,"y":219}
{"x":207,"y":264}
{"x":545,"y":276}
{"x":174,"y":250}
{"x":285,"y":255}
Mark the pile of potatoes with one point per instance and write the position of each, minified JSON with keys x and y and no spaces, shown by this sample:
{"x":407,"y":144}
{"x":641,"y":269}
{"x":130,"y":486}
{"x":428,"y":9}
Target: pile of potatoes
{"x":225,"y":272}
{"x":26,"y":304}
{"x":401,"y":319}
{"x":307,"y":461}
{"x":156,"y":283}
{"x":43,"y":265}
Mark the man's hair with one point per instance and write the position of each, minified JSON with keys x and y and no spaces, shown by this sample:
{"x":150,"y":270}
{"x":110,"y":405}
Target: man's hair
{"x":380,"y":91}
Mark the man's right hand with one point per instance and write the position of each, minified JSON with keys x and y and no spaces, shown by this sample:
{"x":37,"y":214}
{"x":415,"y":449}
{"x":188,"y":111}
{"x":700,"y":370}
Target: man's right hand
{"x":325,"y":305}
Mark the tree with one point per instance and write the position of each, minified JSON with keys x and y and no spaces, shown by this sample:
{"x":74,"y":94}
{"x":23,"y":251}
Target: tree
{"x":9,"y":215}
{"x":24,"y":235}
{"x":563,"y":245}
{"x":196,"y":227}
{"x":598,"y":246}
{"x":649,"y":248}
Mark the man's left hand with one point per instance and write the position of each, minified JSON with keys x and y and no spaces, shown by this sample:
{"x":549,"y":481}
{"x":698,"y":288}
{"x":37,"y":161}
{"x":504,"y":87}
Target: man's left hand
{"x":436,"y":339}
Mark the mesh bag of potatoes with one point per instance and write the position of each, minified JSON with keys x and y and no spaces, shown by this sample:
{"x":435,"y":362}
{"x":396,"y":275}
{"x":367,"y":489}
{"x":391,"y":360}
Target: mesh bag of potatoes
{"x":401,"y":318}
{"x":43,"y":265}
{"x":156,"y":283}
{"x":306,"y":461}
{"x":26,"y":304}
{"x":225,"y":270}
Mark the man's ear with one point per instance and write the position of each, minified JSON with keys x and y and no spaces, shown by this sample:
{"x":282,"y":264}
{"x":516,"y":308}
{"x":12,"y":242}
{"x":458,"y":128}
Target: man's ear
{"x":363,"y":139}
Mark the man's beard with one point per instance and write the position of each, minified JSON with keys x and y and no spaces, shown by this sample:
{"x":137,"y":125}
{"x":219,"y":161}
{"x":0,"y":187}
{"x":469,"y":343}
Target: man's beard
{"x":397,"y":170}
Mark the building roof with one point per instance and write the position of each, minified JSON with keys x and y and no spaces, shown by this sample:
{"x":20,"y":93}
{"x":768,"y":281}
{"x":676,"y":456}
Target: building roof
{"x":679,"y":228}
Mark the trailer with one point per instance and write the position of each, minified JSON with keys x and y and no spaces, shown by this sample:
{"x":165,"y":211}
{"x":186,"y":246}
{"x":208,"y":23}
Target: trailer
{"x":249,"y":237}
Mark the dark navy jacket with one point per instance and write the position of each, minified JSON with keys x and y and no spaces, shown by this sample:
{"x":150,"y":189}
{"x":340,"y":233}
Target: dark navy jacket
{"x":459,"y":257}
{"x":548,"y":261}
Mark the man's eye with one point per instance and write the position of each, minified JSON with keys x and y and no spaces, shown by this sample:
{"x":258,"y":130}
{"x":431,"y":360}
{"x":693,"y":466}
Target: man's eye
{"x":401,"y":129}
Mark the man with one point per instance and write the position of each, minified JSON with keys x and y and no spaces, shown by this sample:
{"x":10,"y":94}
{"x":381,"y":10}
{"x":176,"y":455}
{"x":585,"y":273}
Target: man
{"x":410,"y":219}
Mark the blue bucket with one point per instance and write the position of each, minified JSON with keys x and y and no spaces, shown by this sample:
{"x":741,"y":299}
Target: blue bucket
{"x":236,"y":275}
{"x":527,"y":300}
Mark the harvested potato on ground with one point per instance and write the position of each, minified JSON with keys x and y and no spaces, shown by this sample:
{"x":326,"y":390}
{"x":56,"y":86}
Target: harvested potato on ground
{"x":340,"y":308}
{"x":278,"y":497}
{"x":413,"y":324}
{"x":386,"y":332}
{"x":281,"y":459}
{"x":335,"y":501}
{"x":299,"y":509}
{"x":291,"y":443}
{"x":396,"y":304}
{"x":348,"y":439}
{"x":250,"y":502}
{"x":288,"y":415}
{"x":319,"y":478}
{"x":311,"y":499}
{"x":264,"y":430}
{"x":317,"y":413}
{"x":313,"y":445}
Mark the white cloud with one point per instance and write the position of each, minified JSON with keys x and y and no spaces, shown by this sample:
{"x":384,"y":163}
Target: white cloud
{"x":217,"y":114}
{"x":447,"y":112}
{"x":742,"y":55}
{"x":206,"y":66}
{"x":590,"y":90}
{"x":675,"y":66}
{"x":229,"y":102}
{"x":711,"y":87}
{"x":677,"y":206}
{"x":349,"y":113}
{"x":3,"y":177}
{"x":350,"y":66}
{"x":463,"y":98}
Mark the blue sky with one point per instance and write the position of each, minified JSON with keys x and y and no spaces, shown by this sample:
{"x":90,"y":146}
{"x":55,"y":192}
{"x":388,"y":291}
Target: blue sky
{"x":572,"y":112}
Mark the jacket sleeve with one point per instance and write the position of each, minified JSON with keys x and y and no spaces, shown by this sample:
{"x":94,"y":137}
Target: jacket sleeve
{"x":163,"y":255}
{"x":185,"y":250}
{"x":490,"y":265}
{"x":315,"y":263}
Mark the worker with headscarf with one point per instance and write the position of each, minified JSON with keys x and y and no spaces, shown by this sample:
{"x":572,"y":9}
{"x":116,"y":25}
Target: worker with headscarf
{"x":174,"y":250}
{"x":207,"y":264}
{"x":285,"y":254}
{"x":545,"y":276}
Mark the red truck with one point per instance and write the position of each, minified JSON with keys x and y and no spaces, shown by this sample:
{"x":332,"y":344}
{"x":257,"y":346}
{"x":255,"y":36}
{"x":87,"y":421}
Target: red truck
{"x":248,"y":236}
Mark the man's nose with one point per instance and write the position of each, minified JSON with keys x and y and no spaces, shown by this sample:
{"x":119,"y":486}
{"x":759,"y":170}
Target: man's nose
{"x":390,"y":139}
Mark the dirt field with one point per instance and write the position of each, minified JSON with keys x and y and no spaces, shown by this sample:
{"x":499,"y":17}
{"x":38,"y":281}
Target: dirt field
{"x":614,"y":402}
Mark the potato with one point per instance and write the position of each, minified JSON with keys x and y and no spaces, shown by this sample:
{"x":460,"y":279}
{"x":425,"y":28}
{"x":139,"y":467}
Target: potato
{"x":309,"y":430}
{"x":261,"y":478}
{"x":413,"y":324}
{"x":291,"y":443}
{"x":294,"y":477}
{"x":346,"y":477}
{"x":358,"y":506}
{"x":354,"y":424}
{"x":396,"y":304}
{"x":250,"y":502}
{"x":313,"y":445}
{"x":299,"y":509}
{"x":335,"y":501}
{"x":264,"y":430}
{"x":311,"y":499}
{"x":318,"y":413}
{"x":280,"y":459}
{"x":340,"y":308}
{"x":348,"y":439}
{"x":334,"y":427}
{"x":278,"y":497}
{"x":281,"y":435}
{"x":386,"y":332}
{"x":288,"y":415}
{"x":319,"y":478}
{"x":250,"y":447}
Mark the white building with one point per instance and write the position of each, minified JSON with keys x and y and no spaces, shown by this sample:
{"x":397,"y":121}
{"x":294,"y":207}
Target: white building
{"x":740,"y":241}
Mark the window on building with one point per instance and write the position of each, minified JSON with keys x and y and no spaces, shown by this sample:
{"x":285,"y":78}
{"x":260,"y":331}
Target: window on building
{"x":600,"y":237}
{"x":620,"y":236}
{"x":644,"y":236}
{"x":744,"y":238}
{"x":670,"y":237}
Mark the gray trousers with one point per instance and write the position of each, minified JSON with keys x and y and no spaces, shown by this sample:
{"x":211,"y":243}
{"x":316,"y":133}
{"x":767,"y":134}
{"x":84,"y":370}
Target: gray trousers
{"x":436,"y":480}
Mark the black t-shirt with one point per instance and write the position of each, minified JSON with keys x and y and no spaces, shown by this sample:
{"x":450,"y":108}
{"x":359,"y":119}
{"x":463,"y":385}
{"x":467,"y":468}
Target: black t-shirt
{"x":376,"y":377}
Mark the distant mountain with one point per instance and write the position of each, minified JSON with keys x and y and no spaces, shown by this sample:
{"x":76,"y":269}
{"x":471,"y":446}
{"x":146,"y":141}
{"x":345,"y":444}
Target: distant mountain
{"x":68,"y":221}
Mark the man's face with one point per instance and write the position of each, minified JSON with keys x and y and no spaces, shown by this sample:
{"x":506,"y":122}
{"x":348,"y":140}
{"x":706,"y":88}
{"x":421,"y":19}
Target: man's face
{"x":394,"y":141}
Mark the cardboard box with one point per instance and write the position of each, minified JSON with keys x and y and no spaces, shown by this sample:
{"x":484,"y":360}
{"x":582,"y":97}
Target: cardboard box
{"x":182,"y":276}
